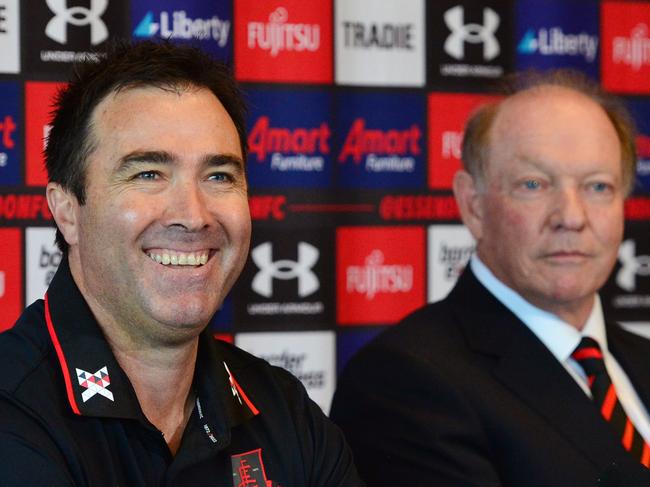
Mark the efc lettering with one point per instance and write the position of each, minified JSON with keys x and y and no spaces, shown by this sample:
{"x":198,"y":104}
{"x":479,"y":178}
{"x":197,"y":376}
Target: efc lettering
{"x":361,"y":141}
{"x":264,"y":139}
{"x":267,"y":207}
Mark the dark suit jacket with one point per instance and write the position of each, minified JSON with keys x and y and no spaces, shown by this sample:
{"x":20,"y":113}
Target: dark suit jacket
{"x":462,"y":393}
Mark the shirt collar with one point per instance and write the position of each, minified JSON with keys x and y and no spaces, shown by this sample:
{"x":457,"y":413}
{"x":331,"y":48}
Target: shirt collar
{"x":97,"y":386}
{"x":558,"y":336}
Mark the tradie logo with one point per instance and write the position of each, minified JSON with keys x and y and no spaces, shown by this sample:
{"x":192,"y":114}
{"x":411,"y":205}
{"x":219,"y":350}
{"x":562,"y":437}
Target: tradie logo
{"x":632,"y":265}
{"x":362,"y":141}
{"x":285,"y":269}
{"x":555,"y":42}
{"x":633,"y":51}
{"x":3,"y":19}
{"x":472,"y":33}
{"x":375,"y":277}
{"x":183,"y":27}
{"x":279,"y":35}
{"x":380,"y":36}
{"x":264,"y":139}
{"x":56,"y":28}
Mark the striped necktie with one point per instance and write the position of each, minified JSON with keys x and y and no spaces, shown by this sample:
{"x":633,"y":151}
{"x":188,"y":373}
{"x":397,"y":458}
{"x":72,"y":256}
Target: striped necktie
{"x":590,"y":358}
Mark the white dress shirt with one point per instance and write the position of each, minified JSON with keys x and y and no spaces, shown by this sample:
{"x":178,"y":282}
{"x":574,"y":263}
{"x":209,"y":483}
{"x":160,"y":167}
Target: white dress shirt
{"x":561,"y":339}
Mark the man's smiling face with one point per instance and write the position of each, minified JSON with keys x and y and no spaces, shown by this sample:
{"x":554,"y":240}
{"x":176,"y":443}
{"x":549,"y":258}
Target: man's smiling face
{"x":165,"y":229}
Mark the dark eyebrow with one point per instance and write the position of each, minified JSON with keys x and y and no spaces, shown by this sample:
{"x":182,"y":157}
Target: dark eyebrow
{"x":219,"y":160}
{"x":139,"y":157}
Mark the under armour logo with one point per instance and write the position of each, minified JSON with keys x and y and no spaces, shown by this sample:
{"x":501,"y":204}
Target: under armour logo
{"x":631,"y":265}
{"x":79,"y":16}
{"x":285,"y":269}
{"x":472,"y":33}
{"x":96,"y":383}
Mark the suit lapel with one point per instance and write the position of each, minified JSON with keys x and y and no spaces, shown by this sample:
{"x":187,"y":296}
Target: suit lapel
{"x":528,"y":369}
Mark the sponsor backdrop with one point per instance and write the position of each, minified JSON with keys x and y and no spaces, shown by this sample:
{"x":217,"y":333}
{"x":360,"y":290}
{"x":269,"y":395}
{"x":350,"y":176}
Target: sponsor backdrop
{"x":355,"y":128}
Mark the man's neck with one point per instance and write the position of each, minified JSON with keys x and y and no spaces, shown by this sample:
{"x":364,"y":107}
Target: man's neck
{"x":162,"y":380}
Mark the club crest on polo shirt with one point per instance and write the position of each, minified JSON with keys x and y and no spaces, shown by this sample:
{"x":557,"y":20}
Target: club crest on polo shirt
{"x":248,"y":470}
{"x":94,"y":383}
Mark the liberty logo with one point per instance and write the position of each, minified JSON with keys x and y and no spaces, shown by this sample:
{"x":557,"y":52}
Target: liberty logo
{"x":285,"y":269}
{"x":472,"y":33}
{"x":632,"y":265}
{"x":56,"y":28}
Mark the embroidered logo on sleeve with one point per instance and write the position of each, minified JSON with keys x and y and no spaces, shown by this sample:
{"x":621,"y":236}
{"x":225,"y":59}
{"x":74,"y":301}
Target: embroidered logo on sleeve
{"x":96,"y":383}
{"x":248,"y":470}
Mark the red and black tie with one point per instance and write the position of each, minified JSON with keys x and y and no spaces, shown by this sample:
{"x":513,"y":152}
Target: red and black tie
{"x":590,"y":357}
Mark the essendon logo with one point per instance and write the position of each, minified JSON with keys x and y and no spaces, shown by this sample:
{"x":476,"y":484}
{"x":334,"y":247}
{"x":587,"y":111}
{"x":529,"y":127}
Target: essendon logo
{"x":283,"y":41}
{"x":448,"y":113}
{"x":380,"y":273}
{"x":384,"y":150}
{"x":626,"y":47}
{"x":278,"y":34}
{"x":305,"y":143}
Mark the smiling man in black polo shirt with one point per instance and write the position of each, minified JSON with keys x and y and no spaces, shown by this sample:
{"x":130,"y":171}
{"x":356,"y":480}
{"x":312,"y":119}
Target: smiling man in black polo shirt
{"x":113,"y":379}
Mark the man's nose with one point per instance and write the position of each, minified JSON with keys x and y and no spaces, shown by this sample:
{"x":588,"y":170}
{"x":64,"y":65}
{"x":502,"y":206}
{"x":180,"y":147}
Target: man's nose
{"x":187,"y":206}
{"x":569,"y":211}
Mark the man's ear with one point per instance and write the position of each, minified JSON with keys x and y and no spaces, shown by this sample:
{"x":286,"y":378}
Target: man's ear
{"x":64,"y":207}
{"x":469,"y":202}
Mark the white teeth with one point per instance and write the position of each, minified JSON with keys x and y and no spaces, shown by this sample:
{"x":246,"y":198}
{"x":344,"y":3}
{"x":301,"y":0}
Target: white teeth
{"x":180,"y":258}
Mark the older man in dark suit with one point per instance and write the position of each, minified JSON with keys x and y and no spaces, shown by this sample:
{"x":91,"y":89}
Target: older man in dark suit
{"x":516,"y":378}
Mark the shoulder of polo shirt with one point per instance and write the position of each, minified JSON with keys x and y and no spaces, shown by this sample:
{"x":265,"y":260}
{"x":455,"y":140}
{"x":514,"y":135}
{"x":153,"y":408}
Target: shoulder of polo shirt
{"x":22,"y":348}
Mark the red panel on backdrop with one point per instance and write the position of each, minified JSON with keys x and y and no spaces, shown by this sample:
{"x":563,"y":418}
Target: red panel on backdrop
{"x":289,"y":40}
{"x":38,"y":105}
{"x":625,"y":46}
{"x":380,"y":273}
{"x":11,"y":277}
{"x":448,"y":113}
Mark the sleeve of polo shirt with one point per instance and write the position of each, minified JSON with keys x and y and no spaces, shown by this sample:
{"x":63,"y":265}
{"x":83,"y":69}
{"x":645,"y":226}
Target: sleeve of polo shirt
{"x":327,"y":456}
{"x":28,"y":456}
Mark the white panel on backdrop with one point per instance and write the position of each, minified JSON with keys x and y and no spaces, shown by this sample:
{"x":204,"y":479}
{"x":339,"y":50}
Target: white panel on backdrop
{"x":380,"y":43}
{"x":310,"y":356}
{"x":43,"y":258}
{"x":450,"y":247}
{"x":9,"y":37}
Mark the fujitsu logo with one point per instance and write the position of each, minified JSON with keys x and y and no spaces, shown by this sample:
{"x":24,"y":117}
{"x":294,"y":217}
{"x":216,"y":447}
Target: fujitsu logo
{"x":2,"y":284}
{"x":279,"y":35}
{"x":376,"y":277}
{"x":56,"y":28}
{"x":361,"y":141}
{"x":634,"y":50}
{"x":632,"y":265}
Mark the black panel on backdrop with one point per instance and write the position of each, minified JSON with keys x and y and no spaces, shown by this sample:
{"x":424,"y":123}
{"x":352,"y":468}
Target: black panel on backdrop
{"x":288,"y":281}
{"x":626,"y":295}
{"x":468,"y":43}
{"x":56,"y":33}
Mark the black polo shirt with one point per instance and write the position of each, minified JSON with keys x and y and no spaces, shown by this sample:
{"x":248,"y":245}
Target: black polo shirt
{"x":69,"y":415}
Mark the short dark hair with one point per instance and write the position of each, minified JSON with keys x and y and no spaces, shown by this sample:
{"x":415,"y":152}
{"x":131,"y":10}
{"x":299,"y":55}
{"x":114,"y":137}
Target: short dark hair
{"x":126,"y":65}
{"x":476,"y":141}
